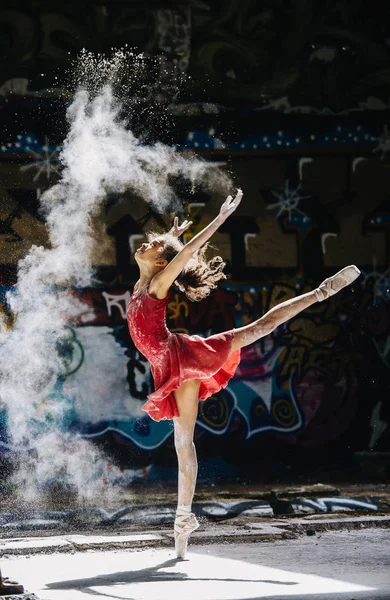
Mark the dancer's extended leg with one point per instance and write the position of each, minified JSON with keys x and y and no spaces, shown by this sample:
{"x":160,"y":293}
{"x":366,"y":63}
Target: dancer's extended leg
{"x":290,"y":308}
{"x":187,"y":402}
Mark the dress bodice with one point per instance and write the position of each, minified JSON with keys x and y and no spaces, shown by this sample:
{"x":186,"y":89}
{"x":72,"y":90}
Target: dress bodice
{"x":147,"y":322}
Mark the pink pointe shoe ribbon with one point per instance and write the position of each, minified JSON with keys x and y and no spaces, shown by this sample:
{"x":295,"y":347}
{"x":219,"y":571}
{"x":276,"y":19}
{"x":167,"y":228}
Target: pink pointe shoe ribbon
{"x":337,"y":282}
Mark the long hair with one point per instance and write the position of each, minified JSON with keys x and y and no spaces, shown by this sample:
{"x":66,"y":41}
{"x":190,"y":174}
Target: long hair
{"x":200,"y":275}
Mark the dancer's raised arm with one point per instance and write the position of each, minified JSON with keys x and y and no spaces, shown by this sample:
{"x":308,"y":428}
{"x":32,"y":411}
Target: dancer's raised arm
{"x":164,"y":279}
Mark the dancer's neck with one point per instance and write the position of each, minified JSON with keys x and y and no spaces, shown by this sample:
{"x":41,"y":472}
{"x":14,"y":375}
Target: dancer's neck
{"x":146,"y":275}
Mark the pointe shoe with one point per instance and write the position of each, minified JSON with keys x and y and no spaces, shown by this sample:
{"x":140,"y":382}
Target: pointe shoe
{"x":337,"y":282}
{"x":185,"y":524}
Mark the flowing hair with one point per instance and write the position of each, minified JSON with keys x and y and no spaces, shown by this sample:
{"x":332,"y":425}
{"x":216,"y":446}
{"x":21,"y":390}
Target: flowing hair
{"x":200,"y":275}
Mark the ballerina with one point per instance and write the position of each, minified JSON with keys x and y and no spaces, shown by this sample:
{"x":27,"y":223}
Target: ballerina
{"x":186,"y":368}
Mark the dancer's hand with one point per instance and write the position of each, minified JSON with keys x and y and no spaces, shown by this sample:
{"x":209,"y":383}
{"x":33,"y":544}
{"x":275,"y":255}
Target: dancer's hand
{"x":177,"y":229}
{"x":230,"y":204}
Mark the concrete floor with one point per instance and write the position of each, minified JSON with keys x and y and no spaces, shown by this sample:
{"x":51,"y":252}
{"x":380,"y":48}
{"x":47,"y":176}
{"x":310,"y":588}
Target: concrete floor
{"x":340,"y":564}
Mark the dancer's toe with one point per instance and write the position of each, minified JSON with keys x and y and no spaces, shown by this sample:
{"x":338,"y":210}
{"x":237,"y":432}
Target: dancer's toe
{"x":337,"y":282}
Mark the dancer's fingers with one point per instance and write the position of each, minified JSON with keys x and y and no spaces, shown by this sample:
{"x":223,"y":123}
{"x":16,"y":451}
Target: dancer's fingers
{"x":239,"y":195}
{"x":231,"y":203}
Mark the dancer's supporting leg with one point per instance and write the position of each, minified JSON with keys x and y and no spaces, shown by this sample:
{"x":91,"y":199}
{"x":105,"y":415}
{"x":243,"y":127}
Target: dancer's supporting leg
{"x":290,"y":308}
{"x":186,"y":397}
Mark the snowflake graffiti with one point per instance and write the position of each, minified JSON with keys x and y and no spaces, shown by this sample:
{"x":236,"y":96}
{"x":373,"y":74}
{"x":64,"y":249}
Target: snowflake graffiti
{"x":379,"y":281}
{"x":288,"y":202}
{"x":383,"y":143}
{"x":46,"y":163}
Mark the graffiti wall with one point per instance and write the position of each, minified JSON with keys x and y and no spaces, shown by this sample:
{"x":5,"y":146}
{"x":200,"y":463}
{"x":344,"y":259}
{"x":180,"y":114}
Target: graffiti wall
{"x":305,"y":385}
{"x":300,"y":121}
{"x":317,"y":384}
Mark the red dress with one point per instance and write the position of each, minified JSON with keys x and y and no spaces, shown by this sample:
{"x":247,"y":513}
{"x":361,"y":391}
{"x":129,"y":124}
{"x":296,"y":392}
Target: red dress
{"x":177,"y":357}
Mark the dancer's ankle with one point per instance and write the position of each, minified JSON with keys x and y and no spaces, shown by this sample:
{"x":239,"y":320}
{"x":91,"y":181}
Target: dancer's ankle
{"x":319,"y":294}
{"x":183,"y":508}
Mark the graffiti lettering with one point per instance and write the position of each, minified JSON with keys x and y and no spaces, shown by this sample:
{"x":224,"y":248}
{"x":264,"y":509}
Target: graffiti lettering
{"x":119,"y":301}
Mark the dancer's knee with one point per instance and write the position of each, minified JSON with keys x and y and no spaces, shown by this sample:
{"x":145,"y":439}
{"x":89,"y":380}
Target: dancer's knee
{"x":268,"y":323}
{"x":183,"y":437}
{"x":253,"y":332}
{"x":184,"y":445}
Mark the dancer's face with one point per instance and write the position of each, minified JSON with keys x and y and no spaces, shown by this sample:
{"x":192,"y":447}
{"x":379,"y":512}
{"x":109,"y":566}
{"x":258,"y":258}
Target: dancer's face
{"x":150,"y":253}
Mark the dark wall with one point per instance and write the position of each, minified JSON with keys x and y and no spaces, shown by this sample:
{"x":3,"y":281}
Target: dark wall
{"x":332,"y":55}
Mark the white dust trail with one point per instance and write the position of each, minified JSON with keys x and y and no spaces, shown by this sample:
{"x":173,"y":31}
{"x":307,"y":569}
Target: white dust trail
{"x":100,"y":156}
